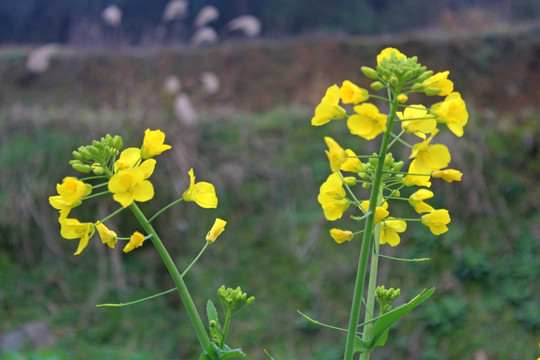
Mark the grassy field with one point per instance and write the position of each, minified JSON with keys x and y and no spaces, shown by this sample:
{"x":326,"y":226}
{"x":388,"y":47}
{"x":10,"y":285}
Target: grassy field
{"x":254,"y":141}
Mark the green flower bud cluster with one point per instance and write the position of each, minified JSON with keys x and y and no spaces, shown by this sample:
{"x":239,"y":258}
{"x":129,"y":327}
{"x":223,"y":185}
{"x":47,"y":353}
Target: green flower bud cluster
{"x":390,"y":166}
{"x":385,"y":298}
{"x":96,"y":157}
{"x":233,"y":298}
{"x":397,"y":71}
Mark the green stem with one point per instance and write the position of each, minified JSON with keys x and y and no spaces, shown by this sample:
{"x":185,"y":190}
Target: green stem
{"x":401,"y":259}
{"x":366,"y":241}
{"x":111,"y":215}
{"x":225,"y":328}
{"x":138,"y":301}
{"x":165,"y":208}
{"x":95,"y":195}
{"x":195,"y":260}
{"x":194,"y":316}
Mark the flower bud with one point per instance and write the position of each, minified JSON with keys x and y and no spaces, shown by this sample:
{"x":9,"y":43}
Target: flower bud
{"x":366,"y":185}
{"x":383,"y":71}
{"x":402,"y":98}
{"x":81,"y":168}
{"x":370,"y":73}
{"x":426,"y":75}
{"x":398,"y":165}
{"x":250,"y":301}
{"x":77,"y":155}
{"x":394,"y":81}
{"x":377,"y":85}
{"x":85,"y":152}
{"x":98,"y":170}
{"x":432,"y":91}
{"x":117,"y":142}
{"x":351,"y":180}
{"x":389,"y":160}
{"x":417,"y":87}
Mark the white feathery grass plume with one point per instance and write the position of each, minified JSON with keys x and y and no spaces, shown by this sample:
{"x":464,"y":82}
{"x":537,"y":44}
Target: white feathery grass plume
{"x":206,"y":15}
{"x":248,"y":24}
{"x":184,"y":110}
{"x":175,"y":10}
{"x":112,"y":15}
{"x":205,"y":35}
{"x":210,"y":82}
{"x":172,"y":84}
{"x":38,"y":59}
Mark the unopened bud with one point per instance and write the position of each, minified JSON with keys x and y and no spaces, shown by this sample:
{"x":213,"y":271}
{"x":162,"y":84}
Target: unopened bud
{"x":398,"y":165}
{"x":81,"y":168}
{"x":250,"y":301}
{"x":417,"y":87}
{"x":366,"y":185}
{"x":77,"y":155}
{"x":402,"y":98}
{"x":370,"y":73}
{"x":432,"y":91}
{"x":394,"y":81}
{"x":117,"y":142}
{"x":351,"y":180}
{"x":377,"y":85}
{"x":424,"y":76}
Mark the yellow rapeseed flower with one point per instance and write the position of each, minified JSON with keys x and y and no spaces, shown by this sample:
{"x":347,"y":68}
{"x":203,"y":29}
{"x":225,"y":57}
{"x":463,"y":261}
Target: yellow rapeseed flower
{"x":389,"y":231}
{"x":352,"y":94}
{"x":380,"y":211}
{"x":74,"y":229}
{"x":367,"y":122}
{"x":107,"y":236}
{"x":136,"y":240}
{"x":414,"y":176}
{"x":130,"y":185}
{"x":387,"y":54}
{"x":436,"y":221}
{"x":452,"y":112}
{"x":417,"y":201}
{"x":448,"y":175}
{"x":202,"y":193}
{"x":440,"y":80}
{"x":329,"y":108}
{"x":216,"y":230}
{"x":332,"y":197}
{"x":353,"y":164}
{"x":420,"y":122}
{"x":340,"y":236}
{"x":153,"y":143}
{"x":336,"y":155}
{"x":71,"y":192}
{"x":430,"y":157}
{"x":131,"y":158}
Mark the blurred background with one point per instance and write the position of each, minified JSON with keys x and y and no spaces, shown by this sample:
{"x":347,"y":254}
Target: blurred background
{"x":234,"y":84}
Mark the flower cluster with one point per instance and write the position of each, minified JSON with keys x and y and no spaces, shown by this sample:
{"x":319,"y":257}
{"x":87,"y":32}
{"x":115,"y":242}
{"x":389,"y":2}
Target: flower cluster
{"x":399,"y":76}
{"x":125,"y":174}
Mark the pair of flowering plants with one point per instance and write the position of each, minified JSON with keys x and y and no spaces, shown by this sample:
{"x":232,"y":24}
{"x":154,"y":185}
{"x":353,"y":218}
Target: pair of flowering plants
{"x":125,"y":175}
{"x":413,"y":126}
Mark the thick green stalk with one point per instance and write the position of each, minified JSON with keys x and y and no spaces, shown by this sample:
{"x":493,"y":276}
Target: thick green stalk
{"x":366,"y":241}
{"x":202,"y":335}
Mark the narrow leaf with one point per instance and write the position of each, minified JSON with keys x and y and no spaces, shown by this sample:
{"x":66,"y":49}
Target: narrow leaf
{"x":380,"y":329}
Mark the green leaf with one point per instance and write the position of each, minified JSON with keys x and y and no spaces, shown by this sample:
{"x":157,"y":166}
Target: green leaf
{"x":359,"y":345}
{"x":211,"y":312}
{"x":215,"y":353}
{"x":380,"y":329}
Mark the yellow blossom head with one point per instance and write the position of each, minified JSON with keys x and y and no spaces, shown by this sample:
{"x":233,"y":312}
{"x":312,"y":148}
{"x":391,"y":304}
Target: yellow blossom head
{"x":390,"y":228}
{"x":452,"y":112}
{"x":448,"y":175}
{"x":415,"y":176}
{"x":440,"y":80}
{"x":202,"y":193}
{"x":329,"y":108}
{"x":352,"y":94}
{"x":74,"y":229}
{"x":421,"y":122}
{"x":367,"y":122}
{"x":71,"y":192}
{"x":417,"y":201}
{"x":380,"y":211}
{"x":430,"y":157}
{"x":336,"y":155}
{"x":107,"y":236}
{"x":129,"y":185}
{"x":136,"y":240}
{"x":341,"y":236}
{"x":332,"y":197}
{"x":153,"y":143}
{"x":437,"y":221}
{"x":353,"y":164}
{"x":387,"y":54}
{"x":216,"y":230}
